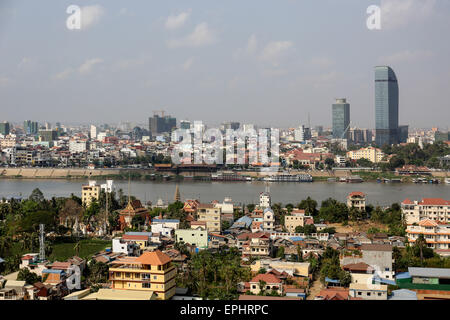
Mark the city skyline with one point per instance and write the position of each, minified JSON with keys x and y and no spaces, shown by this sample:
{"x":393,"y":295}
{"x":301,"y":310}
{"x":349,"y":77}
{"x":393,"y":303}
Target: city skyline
{"x":208,"y":63}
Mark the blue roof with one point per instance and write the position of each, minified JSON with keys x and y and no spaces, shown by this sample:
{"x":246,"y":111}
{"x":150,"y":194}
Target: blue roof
{"x":296,"y":238}
{"x":136,"y":233}
{"x":166,"y":220}
{"x":403,"y":294}
{"x":331,"y":280}
{"x":385,"y":281}
{"x":52,"y":271}
{"x":247,"y":220}
{"x":403,"y":275}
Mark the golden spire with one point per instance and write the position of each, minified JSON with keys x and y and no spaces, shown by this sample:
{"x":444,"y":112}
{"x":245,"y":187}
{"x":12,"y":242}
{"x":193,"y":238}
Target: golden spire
{"x":177,"y":196}
{"x":129,"y":196}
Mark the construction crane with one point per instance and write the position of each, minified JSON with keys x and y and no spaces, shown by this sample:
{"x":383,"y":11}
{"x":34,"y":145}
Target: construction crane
{"x":162,"y":112}
{"x":345,"y":131}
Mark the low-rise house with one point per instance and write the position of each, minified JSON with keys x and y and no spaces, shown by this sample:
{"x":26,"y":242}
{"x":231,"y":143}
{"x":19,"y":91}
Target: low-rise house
{"x":267,"y":282}
{"x":165,"y":227}
{"x":295,"y":269}
{"x":257,"y":226}
{"x":198,"y":225}
{"x":130,"y":248}
{"x":216,"y":240}
{"x":360,"y":272}
{"x":336,"y":293}
{"x":368,"y":291}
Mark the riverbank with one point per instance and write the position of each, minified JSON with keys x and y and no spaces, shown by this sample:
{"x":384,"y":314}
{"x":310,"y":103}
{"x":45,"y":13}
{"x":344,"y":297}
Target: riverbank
{"x":152,"y":174}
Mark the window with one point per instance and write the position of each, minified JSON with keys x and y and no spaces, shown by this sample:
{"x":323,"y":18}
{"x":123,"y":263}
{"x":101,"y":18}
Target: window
{"x":146,"y":285}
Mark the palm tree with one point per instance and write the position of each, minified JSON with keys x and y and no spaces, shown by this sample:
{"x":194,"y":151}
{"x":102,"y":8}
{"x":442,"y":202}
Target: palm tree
{"x":421,"y":242}
{"x":77,"y":248}
{"x":262,"y":287}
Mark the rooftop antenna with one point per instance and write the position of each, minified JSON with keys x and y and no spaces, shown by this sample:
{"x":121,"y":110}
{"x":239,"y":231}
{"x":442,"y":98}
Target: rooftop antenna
{"x":41,"y":243}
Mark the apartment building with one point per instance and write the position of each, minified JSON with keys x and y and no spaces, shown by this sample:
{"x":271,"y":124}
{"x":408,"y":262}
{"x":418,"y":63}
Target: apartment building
{"x":211,"y":215}
{"x":357,"y":199}
{"x":264,"y":200}
{"x":370,"y":153}
{"x":255,"y":244}
{"x":151,"y":272}
{"x":89,"y":192}
{"x":368,"y":292}
{"x":196,"y":237}
{"x":436,"y":209}
{"x":437,"y":235}
{"x":296,"y":219}
{"x":268,"y":220}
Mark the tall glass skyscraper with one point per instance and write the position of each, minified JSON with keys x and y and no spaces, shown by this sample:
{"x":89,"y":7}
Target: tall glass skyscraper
{"x":386,"y":106}
{"x":341,"y":119}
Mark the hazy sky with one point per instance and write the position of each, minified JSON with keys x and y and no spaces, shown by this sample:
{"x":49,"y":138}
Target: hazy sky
{"x":259,"y":61}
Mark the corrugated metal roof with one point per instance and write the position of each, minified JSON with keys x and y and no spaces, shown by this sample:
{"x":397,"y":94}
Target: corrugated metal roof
{"x":403,"y":275}
{"x":429,"y":272}
{"x":403,"y":294}
{"x":331,"y":280}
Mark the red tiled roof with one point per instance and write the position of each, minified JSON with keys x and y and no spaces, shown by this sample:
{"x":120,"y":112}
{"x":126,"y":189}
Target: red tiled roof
{"x":427,"y":223}
{"x":154,"y":258}
{"x":407,"y":201}
{"x":134,"y":237}
{"x":361,"y":266}
{"x":334,"y":294}
{"x":356,"y":193}
{"x":376,"y":247}
{"x":434,"y":202}
{"x":266,"y":277}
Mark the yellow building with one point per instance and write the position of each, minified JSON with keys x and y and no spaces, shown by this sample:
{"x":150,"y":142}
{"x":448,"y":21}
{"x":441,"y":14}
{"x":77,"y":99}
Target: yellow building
{"x":370,"y":153}
{"x":152,"y":272}
{"x":211,"y":215}
{"x":295,"y":219}
{"x":89,"y":192}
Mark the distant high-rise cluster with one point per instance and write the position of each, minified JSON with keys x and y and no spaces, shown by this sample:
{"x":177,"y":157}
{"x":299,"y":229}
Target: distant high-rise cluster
{"x":341,"y":119}
{"x":30,"y":127}
{"x":4,"y":128}
{"x":387,"y":129}
{"x":163,"y":124}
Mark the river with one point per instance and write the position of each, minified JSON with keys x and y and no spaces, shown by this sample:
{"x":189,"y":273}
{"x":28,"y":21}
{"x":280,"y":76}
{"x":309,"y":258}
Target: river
{"x":240,"y":192}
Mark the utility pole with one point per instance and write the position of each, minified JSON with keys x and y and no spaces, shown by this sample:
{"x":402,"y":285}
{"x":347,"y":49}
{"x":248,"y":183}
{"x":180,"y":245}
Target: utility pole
{"x":41,"y":243}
